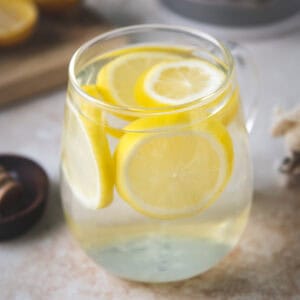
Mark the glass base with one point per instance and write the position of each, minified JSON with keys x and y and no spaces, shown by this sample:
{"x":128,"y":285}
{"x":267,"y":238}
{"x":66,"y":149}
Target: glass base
{"x":160,"y":259}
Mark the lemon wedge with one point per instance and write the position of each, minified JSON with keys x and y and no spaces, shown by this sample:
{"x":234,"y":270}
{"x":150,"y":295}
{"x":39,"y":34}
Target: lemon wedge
{"x":173,"y":173}
{"x":86,"y":159}
{"x":17,"y":19}
{"x":117,"y":79}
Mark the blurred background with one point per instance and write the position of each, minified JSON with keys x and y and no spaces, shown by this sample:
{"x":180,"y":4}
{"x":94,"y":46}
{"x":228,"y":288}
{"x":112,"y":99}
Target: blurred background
{"x":236,"y":19}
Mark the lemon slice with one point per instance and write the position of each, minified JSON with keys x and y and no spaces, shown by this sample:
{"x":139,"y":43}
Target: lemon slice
{"x":17,"y":19}
{"x":230,"y":108}
{"x":175,"y":173}
{"x":183,"y":81}
{"x":105,"y":116}
{"x":92,"y":112}
{"x":86,"y":159}
{"x":178,"y":82}
{"x":117,"y":79}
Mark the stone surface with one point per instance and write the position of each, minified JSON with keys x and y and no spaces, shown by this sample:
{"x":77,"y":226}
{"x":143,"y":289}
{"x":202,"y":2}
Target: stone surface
{"x":47,"y":264}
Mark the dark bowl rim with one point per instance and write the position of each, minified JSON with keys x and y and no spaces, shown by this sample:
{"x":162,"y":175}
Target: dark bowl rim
{"x":42,"y":191}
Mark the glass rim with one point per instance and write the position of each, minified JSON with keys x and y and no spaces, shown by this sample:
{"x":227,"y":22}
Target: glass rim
{"x":132,"y":110}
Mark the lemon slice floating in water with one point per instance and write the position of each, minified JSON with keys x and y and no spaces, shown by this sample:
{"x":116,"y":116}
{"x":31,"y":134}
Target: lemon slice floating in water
{"x":167,"y":166}
{"x":117,"y":79}
{"x":86,"y":159}
{"x":102,"y":117}
{"x":175,"y":173}
{"x":184,"y":81}
{"x":151,"y":77}
{"x":178,"y":82}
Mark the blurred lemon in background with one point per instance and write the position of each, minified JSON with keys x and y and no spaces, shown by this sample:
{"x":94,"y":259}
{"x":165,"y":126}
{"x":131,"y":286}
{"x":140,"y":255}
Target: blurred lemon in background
{"x":19,"y":17}
{"x":17,"y":20}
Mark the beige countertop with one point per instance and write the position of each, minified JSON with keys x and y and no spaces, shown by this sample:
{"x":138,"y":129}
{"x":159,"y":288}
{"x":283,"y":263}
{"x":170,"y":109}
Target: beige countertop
{"x":46,"y":263}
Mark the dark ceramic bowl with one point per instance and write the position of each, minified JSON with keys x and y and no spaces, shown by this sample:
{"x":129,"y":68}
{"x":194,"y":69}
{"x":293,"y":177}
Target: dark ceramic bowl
{"x":35,"y":190}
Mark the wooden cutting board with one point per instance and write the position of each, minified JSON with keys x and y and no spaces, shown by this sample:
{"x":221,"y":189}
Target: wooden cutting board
{"x":41,"y":63}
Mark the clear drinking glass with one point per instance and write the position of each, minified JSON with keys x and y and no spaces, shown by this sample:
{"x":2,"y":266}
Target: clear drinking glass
{"x":155,"y":194}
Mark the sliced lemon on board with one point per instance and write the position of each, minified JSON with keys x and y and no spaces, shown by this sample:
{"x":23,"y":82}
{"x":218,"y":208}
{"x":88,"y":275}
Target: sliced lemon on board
{"x":178,"y":82}
{"x":86,"y":159}
{"x":17,"y":20}
{"x":117,"y":79}
{"x":175,"y":173}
